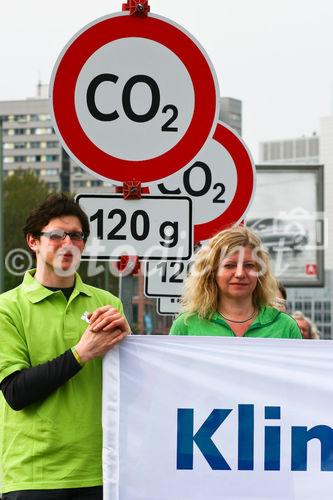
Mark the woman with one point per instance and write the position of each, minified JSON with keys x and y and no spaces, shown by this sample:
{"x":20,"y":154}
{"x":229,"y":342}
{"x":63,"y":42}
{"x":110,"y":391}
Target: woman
{"x":230,"y":290}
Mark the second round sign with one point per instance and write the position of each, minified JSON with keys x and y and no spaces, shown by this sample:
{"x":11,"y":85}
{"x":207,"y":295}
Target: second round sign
{"x":133,"y":98}
{"x":220,"y":180}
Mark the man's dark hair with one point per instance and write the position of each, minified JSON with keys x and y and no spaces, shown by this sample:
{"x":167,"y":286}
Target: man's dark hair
{"x":55,"y":205}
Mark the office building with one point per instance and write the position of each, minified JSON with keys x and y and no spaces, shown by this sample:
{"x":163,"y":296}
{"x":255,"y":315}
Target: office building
{"x":30,"y":143}
{"x":231,"y":113}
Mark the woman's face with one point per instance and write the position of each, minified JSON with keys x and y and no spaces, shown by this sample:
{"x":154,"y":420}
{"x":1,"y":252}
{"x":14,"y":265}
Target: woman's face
{"x":237,"y":275}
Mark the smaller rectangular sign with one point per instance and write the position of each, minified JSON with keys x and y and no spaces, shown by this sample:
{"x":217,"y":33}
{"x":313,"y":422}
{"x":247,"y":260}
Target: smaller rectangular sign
{"x":165,"y":278}
{"x":168,"y":306}
{"x":152,"y":228}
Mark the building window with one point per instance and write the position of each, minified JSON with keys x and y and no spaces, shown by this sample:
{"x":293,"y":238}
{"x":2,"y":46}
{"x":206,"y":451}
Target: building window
{"x":41,"y":130}
{"x":49,"y":171}
{"x":16,"y":131}
{"x":275,"y":151}
{"x":52,"y":144}
{"x":326,"y":332}
{"x":52,"y":157}
{"x":317,"y":318}
{"x":266,"y":152}
{"x":22,"y":118}
{"x":44,"y":117}
{"x":20,"y":145}
{"x":313,"y":146}
{"x":33,"y":158}
{"x":287,"y":150}
{"x":80,"y":184}
{"x":53,"y":186}
{"x":327,"y":317}
{"x":307,"y":307}
{"x":300,"y":148}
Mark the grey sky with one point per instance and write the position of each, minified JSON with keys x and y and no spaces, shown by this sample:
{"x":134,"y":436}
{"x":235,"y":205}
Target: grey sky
{"x":274,"y":55}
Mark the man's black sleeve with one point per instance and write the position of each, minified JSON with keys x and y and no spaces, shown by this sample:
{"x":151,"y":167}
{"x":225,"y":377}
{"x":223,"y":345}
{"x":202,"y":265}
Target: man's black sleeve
{"x":27,"y":386}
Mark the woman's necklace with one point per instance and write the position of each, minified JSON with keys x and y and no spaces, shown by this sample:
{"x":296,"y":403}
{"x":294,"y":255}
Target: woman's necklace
{"x":240,"y":321}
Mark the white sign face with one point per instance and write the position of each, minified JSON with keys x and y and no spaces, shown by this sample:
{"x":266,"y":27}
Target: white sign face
{"x":133,"y":98}
{"x":168,"y":306}
{"x":219,"y":180}
{"x":165,"y":278}
{"x":150,"y":99}
{"x":152,"y":228}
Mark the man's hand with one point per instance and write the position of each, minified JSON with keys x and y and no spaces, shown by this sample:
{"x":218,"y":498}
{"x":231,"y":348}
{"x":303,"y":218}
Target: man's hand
{"x":107,"y":328}
{"x":107,"y":318}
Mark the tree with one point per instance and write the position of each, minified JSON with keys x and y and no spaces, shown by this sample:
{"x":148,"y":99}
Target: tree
{"x":22,"y":192}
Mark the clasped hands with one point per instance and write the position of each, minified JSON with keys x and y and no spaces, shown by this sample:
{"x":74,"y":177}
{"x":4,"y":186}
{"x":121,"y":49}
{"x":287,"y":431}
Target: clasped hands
{"x":107,"y":327}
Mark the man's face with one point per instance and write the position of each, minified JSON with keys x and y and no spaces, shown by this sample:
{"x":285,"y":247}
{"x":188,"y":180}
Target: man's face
{"x":62,"y":256}
{"x":304,"y":327}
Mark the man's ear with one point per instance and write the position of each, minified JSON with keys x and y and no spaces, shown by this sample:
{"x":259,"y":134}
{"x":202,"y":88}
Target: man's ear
{"x":32,"y":242}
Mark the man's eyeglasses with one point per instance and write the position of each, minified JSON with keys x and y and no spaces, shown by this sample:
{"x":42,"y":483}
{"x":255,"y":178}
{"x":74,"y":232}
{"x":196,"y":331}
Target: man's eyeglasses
{"x":59,"y":234}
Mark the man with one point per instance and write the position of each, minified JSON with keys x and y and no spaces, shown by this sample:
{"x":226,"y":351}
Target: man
{"x":54,"y":330}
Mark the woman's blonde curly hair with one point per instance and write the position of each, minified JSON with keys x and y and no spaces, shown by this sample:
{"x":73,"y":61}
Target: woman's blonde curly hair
{"x":201,"y":292}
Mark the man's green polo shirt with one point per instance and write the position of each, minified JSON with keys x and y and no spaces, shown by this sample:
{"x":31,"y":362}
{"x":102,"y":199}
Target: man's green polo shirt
{"x":57,"y":442}
{"x":269,"y":323}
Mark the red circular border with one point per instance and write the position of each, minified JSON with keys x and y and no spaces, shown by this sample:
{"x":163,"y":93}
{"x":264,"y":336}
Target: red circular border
{"x":74,"y":138}
{"x":245,"y":185}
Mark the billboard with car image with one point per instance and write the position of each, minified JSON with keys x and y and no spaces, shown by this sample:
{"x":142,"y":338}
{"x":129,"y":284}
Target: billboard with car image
{"x":288,"y":214}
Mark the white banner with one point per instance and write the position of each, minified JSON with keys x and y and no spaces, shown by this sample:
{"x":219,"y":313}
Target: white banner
{"x":203,"y":418}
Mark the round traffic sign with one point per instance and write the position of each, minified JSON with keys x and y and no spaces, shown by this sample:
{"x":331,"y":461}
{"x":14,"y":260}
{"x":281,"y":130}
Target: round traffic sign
{"x":133,"y":98}
{"x":220,"y":180}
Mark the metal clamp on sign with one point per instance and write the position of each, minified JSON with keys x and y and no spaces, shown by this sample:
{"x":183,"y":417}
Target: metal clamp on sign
{"x":137,"y":7}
